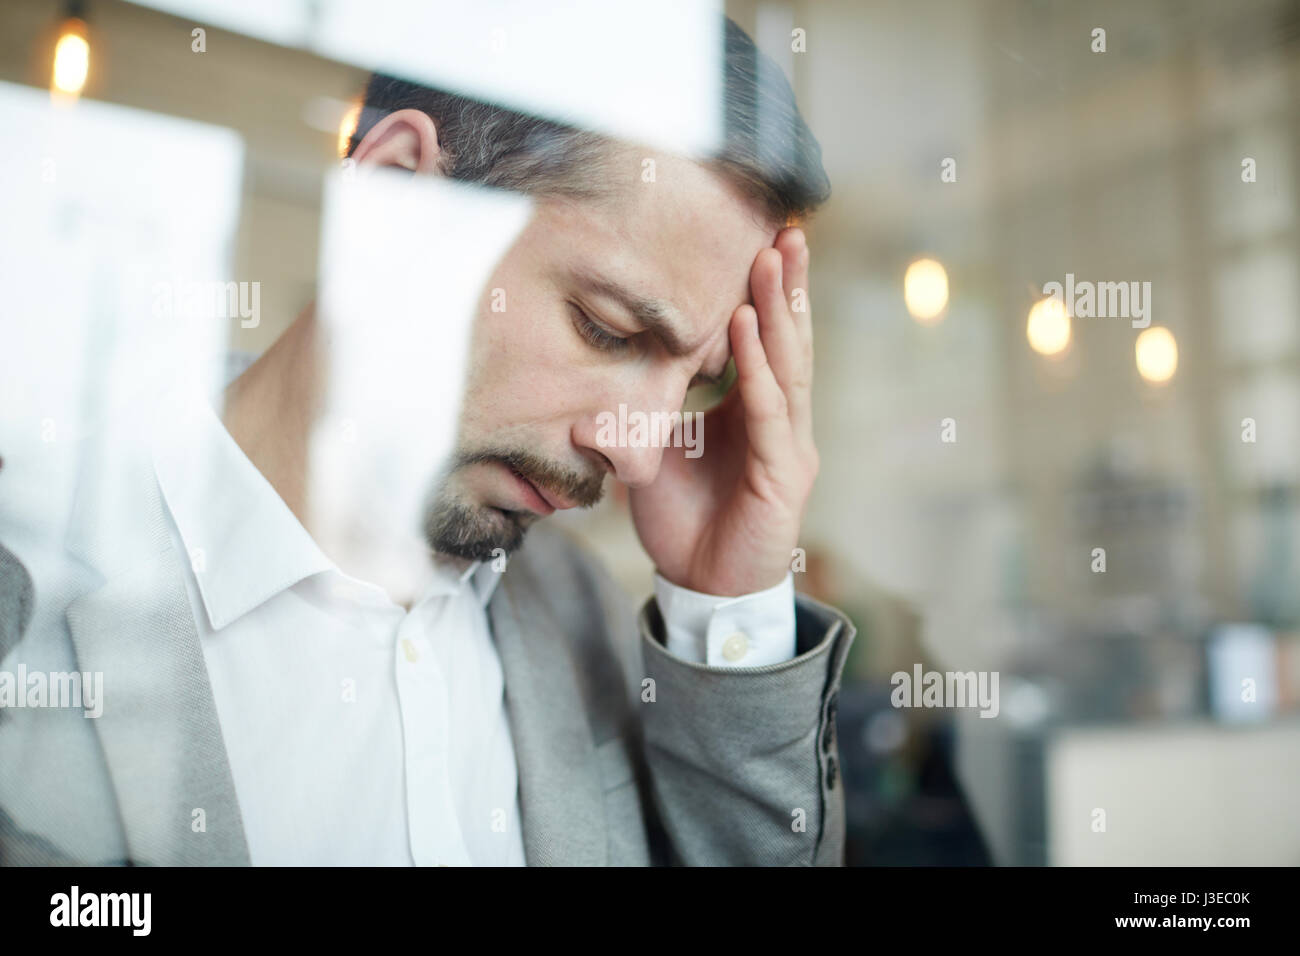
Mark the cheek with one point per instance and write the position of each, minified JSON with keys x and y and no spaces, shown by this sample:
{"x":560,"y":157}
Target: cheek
{"x":521,"y":369}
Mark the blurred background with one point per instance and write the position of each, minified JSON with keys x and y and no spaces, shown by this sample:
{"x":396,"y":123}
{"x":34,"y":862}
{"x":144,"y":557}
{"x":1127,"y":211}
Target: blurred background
{"x":1107,"y":517}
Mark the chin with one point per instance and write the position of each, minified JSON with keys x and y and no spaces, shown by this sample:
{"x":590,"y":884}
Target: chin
{"x":478,"y":532}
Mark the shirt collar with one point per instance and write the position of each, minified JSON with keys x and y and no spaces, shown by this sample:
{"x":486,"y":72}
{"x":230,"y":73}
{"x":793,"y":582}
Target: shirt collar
{"x":486,"y":579}
{"x":245,"y":546}
{"x":451,"y":574}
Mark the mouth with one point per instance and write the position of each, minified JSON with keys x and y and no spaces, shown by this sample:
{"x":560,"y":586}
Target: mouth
{"x":536,"y":498}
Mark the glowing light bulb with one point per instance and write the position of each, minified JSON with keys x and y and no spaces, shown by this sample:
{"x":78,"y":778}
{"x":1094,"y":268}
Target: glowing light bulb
{"x":925,"y":290}
{"x":1048,"y":328}
{"x":1157,"y":355}
{"x":348,"y":126}
{"x":71,"y":59}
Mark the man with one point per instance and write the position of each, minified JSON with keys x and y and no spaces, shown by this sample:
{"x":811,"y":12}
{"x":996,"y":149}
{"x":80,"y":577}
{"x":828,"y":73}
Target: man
{"x":262,"y":705}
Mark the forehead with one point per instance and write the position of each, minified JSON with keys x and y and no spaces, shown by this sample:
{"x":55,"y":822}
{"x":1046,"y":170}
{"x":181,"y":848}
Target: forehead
{"x":685,"y":236}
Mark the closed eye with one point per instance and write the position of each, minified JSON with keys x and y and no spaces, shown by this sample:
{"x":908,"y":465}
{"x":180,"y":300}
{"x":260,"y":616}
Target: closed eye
{"x":596,"y":335}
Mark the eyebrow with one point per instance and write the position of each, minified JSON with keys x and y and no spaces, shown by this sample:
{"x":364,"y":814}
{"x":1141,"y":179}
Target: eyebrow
{"x":656,"y":316}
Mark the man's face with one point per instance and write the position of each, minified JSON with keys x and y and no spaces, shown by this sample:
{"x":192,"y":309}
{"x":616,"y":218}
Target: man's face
{"x":570,"y":345}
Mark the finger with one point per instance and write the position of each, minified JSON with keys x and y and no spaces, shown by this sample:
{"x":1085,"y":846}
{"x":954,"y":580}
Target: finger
{"x":767,"y":290}
{"x":766,"y":409}
{"x":793,"y":247}
{"x":795,"y":256}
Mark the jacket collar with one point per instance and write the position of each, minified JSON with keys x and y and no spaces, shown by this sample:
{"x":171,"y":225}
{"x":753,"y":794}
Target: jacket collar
{"x":159,"y":731}
{"x":560,"y":794}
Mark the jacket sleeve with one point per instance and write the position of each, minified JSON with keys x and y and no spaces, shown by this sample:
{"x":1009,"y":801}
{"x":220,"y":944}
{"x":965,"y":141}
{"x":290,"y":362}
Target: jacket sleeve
{"x":744,"y":762}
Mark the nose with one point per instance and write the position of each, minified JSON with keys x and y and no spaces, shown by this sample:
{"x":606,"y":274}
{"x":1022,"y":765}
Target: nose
{"x":631,"y":435}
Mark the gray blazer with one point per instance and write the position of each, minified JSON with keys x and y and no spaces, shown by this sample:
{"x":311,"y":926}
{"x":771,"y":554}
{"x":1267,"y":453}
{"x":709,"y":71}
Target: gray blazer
{"x":703,"y":766}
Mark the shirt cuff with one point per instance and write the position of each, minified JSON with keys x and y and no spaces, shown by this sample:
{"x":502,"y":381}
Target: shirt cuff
{"x":752,"y":630}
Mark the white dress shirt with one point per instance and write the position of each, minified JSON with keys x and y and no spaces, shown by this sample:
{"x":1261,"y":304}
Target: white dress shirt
{"x":360,"y":733}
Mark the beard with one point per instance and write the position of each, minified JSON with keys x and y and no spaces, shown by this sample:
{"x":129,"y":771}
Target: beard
{"x":476,"y":532}
{"x":458,"y":525}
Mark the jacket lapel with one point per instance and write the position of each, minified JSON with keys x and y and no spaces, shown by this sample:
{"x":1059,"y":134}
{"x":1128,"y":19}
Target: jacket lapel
{"x":159,"y":729}
{"x":560,"y":793}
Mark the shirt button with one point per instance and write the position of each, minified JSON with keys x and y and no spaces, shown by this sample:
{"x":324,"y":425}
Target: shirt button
{"x":410,"y":650}
{"x":735,"y":647}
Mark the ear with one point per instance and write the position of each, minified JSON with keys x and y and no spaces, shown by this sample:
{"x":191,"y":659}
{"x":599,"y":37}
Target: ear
{"x":405,"y":138}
